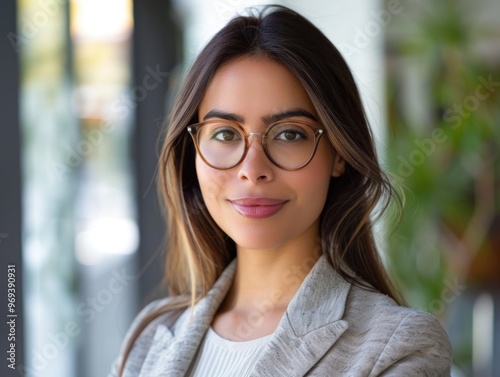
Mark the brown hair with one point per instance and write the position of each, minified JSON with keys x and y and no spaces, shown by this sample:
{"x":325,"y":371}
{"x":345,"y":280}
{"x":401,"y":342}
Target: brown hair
{"x":198,"y":250}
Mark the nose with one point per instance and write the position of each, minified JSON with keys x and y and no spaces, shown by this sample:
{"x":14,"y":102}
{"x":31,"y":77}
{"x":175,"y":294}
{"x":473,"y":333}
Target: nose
{"x":256,"y":167}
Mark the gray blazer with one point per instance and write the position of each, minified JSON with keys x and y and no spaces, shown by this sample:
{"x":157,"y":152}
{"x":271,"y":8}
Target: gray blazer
{"x":330,"y":328}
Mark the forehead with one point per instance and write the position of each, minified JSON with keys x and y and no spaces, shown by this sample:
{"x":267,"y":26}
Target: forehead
{"x":254,"y":88}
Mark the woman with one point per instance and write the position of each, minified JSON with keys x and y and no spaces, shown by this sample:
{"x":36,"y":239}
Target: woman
{"x":270,"y":178}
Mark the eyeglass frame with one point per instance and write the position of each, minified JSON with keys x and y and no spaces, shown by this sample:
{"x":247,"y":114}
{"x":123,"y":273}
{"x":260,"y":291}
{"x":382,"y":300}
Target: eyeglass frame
{"x":192,"y":129}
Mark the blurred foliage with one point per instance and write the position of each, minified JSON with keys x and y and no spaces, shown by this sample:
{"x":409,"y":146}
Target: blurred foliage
{"x":443,"y":68}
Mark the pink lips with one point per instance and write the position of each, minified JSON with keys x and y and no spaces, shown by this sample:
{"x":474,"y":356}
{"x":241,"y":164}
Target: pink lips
{"x":258,"y":208}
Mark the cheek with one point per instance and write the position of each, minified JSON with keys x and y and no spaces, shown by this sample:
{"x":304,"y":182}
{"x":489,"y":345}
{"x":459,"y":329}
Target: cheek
{"x":317,"y":176}
{"x":314,"y":189}
{"x":212,"y":181}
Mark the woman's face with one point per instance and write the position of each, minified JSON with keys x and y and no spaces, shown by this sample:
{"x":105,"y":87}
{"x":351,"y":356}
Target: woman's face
{"x":257,"y":204}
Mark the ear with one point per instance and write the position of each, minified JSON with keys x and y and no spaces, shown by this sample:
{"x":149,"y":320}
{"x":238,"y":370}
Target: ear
{"x":338,"y":166}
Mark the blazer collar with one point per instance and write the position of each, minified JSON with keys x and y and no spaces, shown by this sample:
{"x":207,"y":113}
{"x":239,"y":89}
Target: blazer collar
{"x":311,"y":324}
{"x":171,"y":352}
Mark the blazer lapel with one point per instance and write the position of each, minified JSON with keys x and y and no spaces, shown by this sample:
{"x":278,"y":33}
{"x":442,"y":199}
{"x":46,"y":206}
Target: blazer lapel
{"x":310,"y":326}
{"x":172,"y":353}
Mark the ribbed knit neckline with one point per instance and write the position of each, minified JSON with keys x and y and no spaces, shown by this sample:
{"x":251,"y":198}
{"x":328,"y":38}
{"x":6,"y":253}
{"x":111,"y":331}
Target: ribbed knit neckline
{"x":220,"y":357}
{"x":219,"y":341}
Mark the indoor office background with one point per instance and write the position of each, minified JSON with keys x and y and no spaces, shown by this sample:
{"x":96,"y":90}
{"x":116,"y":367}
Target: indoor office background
{"x":86,"y":85}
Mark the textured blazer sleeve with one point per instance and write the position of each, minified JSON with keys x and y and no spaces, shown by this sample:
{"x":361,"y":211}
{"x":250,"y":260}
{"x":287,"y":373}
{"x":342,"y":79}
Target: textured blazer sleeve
{"x":418,"y":347}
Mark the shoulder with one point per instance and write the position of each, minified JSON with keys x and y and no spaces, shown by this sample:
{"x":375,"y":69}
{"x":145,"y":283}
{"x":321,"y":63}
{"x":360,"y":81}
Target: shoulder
{"x":398,"y":339}
{"x":159,"y":315}
{"x":369,"y":308}
{"x":163,"y":311}
{"x":150,"y":308}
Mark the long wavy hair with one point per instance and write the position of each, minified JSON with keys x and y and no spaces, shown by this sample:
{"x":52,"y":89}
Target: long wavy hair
{"x":198,"y":250}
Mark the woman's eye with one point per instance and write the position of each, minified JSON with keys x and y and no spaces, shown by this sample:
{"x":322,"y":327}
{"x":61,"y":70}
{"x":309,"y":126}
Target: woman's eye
{"x":291,"y":135}
{"x":225,"y":135}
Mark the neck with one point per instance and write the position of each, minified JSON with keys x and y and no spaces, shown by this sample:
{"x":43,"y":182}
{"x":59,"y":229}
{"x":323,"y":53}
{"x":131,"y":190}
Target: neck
{"x":271,"y":277}
{"x":264,"y":284}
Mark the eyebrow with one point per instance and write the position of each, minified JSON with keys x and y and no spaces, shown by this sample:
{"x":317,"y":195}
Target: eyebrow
{"x":223,"y":115}
{"x":268,"y":119}
{"x":298,"y":112}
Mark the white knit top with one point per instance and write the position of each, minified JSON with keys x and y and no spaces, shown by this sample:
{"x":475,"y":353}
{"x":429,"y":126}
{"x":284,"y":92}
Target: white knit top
{"x":219,"y":357}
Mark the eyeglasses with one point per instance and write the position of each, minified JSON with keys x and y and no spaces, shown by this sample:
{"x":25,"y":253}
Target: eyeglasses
{"x":223,"y":144}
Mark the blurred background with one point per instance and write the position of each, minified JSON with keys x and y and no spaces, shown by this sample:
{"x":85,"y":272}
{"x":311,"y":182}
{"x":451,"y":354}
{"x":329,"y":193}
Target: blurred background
{"x":86,"y":85}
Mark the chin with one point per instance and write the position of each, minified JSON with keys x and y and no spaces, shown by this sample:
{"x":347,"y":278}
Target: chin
{"x":259,"y":241}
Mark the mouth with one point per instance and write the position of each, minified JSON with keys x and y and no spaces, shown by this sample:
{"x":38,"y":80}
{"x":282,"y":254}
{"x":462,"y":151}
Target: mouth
{"x":257,"y":208}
